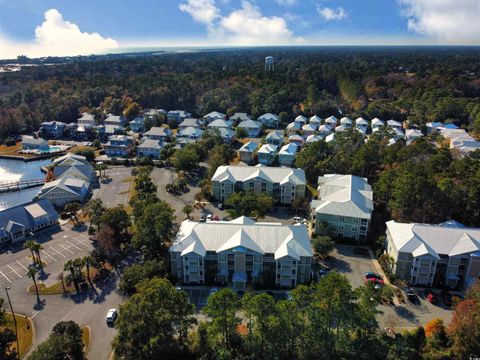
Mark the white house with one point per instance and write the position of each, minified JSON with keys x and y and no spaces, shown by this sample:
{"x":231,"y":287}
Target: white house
{"x":267,"y":154}
{"x":324,"y":131}
{"x":293,"y":128}
{"x":275,"y":138}
{"x":34,"y":143}
{"x":297,"y":140}
{"x":315,"y":121}
{"x":190,"y":133}
{"x":119,"y":145}
{"x":190,"y":122}
{"x":158,"y":133}
{"x":412,"y":134}
{"x":331,"y":122}
{"x":137,"y":124}
{"x":361,"y":123}
{"x":313,"y":138}
{"x":74,"y":166}
{"x":377,"y":123}
{"x":394,"y":124}
{"x":227,"y":135}
{"x":238,"y":117}
{"x":309,"y":129}
{"x":287,"y":154}
{"x":340,"y":128}
{"x":346,"y":122}
{"x":214,"y":115}
{"x":248,"y":152}
{"x":150,"y":148}
{"x":301,"y":120}
{"x":86,"y":120}
{"x":115,"y":120}
{"x":220,"y":123}
{"x":253,"y":128}
{"x":269,"y":120}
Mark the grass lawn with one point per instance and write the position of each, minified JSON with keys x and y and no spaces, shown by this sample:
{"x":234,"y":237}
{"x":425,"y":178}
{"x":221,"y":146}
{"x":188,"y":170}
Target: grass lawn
{"x":86,"y":338}
{"x":12,"y":150}
{"x":25,"y":332}
{"x":58,"y":287}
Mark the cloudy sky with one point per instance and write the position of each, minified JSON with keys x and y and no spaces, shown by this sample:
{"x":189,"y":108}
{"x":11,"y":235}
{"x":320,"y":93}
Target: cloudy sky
{"x":67,"y":27}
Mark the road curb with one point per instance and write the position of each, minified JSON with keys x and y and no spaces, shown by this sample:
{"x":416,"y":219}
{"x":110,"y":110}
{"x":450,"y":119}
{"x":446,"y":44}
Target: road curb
{"x":89,"y":345}
{"x":34,"y":334}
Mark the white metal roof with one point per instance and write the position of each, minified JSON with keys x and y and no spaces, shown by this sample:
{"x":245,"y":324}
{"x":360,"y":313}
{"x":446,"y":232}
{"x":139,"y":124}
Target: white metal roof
{"x":434,"y":240}
{"x":250,"y":146}
{"x":263,"y":238}
{"x":288,"y":149}
{"x":344,"y":195}
{"x":279,"y":175}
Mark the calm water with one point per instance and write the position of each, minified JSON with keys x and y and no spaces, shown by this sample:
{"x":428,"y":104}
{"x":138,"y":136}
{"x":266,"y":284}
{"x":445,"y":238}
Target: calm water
{"x":14,"y":170}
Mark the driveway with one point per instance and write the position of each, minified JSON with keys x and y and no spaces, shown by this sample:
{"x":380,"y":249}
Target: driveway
{"x":117,"y":190}
{"x":85,"y":309}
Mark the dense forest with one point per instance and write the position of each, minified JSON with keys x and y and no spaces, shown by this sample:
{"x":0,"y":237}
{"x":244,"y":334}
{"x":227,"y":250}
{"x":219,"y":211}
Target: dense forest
{"x":414,"y":84}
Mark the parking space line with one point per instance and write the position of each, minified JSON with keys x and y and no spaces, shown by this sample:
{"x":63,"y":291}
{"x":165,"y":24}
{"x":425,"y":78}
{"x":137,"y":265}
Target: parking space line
{"x":5,"y":276}
{"x":58,"y":252}
{"x":85,"y":237}
{"x":83,"y":242}
{"x":70,"y":251}
{"x":20,"y":276}
{"x":75,"y":246}
{"x":23,"y":266}
{"x":50,"y":256}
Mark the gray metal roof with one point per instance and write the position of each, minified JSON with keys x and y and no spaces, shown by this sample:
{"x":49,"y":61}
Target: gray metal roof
{"x":279,"y":175}
{"x":218,"y":236}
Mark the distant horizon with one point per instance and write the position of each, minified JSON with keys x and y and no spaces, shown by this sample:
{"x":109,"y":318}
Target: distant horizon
{"x":59,"y":28}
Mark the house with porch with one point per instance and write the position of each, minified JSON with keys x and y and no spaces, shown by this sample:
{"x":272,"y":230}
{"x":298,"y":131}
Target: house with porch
{"x":253,"y":128}
{"x":269,"y":120}
{"x":119,"y":145}
{"x":158,"y":133}
{"x":64,"y":190}
{"x":52,"y":129}
{"x":248,"y":152}
{"x":214,"y":115}
{"x":447,"y":254}
{"x":275,"y":137}
{"x":242,"y":253}
{"x":287,"y":154}
{"x":150,"y":148}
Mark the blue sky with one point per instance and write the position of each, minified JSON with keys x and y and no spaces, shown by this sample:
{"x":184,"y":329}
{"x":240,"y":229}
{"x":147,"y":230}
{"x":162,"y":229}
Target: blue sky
{"x":80,"y":27}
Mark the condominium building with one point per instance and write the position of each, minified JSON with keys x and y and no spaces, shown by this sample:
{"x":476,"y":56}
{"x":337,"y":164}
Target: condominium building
{"x":286,"y":185}
{"x":242,"y":253}
{"x":344,"y":206}
{"x":434,"y":255}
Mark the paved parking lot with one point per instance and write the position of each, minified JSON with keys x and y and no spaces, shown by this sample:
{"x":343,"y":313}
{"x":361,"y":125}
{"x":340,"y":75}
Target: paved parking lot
{"x":117,"y":190}
{"x":351,"y":262}
{"x":59,"y":245}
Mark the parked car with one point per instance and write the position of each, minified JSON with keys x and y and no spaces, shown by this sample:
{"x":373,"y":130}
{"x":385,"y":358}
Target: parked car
{"x":111,"y":316}
{"x":411,"y":296}
{"x":213,"y":290}
{"x":323,"y":270}
{"x":203,"y":218}
{"x":369,"y":275}
{"x":374,"y":281}
{"x":430,"y":296}
{"x":209,"y":217}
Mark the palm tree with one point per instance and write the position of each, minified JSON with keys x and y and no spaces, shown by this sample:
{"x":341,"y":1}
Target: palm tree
{"x":73,"y":207}
{"x":61,"y":277}
{"x":89,"y":262}
{"x":70,"y":266}
{"x":30,"y":244}
{"x":31,"y":273}
{"x":36,"y":248}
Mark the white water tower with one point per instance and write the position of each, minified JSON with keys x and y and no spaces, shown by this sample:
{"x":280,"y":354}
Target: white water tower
{"x":269,"y":63}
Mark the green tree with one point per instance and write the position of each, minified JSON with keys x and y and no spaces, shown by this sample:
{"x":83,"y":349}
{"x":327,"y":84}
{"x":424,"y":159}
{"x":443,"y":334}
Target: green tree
{"x":153,"y":323}
{"x":73,"y":207}
{"x":187,"y":210}
{"x":117,"y":219}
{"x":94,"y":209}
{"x":132,"y":110}
{"x":30,"y":244}
{"x":186,"y":159}
{"x":7,"y":337}
{"x":222,"y":309}
{"x":135,"y":274}
{"x":241,"y":133}
{"x":249,"y":204}
{"x":65,"y":342}
{"x":153,"y":228}
{"x":312,"y":159}
{"x":36,"y":249}
{"x":323,"y":245}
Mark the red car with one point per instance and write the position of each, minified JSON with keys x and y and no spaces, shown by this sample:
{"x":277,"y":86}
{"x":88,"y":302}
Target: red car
{"x":374,"y":280}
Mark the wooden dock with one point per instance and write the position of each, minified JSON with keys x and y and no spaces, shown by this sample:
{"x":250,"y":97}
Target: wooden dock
{"x":8,"y":186}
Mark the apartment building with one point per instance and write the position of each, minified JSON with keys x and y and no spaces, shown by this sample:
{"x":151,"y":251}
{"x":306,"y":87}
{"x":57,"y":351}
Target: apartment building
{"x":241,"y":253}
{"x":434,"y":255}
{"x":286,"y":185}
{"x":344,"y":206}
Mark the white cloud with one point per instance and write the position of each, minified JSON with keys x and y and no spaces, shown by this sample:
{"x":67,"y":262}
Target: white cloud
{"x":203,"y":11}
{"x":451,"y":21}
{"x":56,"y":36}
{"x":244,"y":26}
{"x":331,"y":14}
{"x":286,"y":2}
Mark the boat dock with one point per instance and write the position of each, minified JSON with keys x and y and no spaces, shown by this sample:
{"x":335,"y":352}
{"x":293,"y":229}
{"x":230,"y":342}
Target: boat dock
{"x":8,"y":186}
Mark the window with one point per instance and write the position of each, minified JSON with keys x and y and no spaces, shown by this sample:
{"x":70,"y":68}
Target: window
{"x":341,"y":218}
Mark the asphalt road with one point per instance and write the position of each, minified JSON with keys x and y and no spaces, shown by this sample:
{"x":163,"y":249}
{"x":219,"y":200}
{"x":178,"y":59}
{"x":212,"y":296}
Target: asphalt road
{"x":86,"y":309}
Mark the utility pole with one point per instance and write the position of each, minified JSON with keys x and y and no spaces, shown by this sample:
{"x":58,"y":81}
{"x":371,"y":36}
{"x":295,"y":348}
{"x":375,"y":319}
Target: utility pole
{"x":14,"y":322}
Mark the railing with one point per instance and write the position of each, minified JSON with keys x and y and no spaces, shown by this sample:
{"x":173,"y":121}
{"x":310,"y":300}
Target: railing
{"x":7,"y":186}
